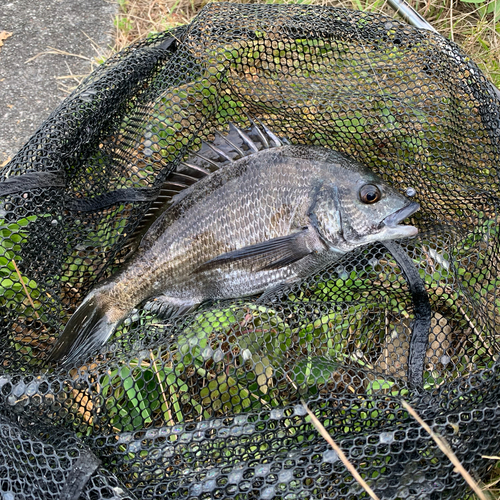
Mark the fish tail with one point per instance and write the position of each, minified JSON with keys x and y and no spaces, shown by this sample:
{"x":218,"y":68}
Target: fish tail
{"x":88,"y":328}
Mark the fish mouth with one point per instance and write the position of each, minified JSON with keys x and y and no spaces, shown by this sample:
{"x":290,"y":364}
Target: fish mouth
{"x":400,"y":215}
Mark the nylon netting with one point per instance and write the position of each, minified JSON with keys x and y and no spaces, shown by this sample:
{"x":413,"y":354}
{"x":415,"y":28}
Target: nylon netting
{"x":209,"y":405}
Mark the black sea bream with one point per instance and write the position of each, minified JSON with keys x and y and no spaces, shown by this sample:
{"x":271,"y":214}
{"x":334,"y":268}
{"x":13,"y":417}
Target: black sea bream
{"x":269,"y":214}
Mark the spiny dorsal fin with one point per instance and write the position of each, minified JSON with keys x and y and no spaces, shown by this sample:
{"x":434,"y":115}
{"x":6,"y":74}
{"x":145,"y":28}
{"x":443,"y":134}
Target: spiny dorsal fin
{"x":274,"y":137}
{"x":211,"y":156}
{"x":204,"y":159}
{"x":219,"y":151}
{"x":196,"y":168}
{"x":236,"y":144}
{"x":245,"y":137}
{"x":231,"y":144}
{"x":261,"y":136}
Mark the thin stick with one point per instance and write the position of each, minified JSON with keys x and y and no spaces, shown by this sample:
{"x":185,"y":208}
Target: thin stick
{"x":25,"y":289}
{"x":452,"y":38}
{"x":340,"y":453}
{"x":445,"y":448}
{"x":70,"y":77}
{"x":471,"y":324}
{"x":157,"y":373}
{"x":494,"y":483}
{"x":57,"y":52}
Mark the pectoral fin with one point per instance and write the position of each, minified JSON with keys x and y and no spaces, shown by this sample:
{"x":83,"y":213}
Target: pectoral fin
{"x":271,"y":254}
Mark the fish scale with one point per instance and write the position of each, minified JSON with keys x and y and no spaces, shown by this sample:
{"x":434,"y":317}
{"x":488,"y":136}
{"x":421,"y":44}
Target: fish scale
{"x":269,"y":216}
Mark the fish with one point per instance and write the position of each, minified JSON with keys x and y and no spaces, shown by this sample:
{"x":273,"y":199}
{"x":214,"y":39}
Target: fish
{"x":253,"y":213}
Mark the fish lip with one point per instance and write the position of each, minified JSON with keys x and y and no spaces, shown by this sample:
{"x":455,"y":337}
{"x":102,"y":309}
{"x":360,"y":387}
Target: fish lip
{"x":400,"y":215}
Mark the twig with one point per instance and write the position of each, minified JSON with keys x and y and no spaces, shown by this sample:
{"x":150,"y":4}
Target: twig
{"x":471,"y":324}
{"x":96,"y":47}
{"x":71,"y":77}
{"x":25,"y":289}
{"x":157,"y":373}
{"x":260,"y":400}
{"x":57,"y":52}
{"x":445,"y":448}
{"x":494,"y":483}
{"x":428,"y":259}
{"x":319,"y":426}
{"x":452,"y":38}
{"x":469,"y":321}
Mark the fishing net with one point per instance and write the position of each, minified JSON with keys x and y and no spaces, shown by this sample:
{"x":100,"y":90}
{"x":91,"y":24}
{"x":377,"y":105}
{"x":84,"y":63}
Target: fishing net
{"x":212,"y":404}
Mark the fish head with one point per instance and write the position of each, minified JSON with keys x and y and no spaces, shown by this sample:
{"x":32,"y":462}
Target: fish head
{"x":358,"y":207}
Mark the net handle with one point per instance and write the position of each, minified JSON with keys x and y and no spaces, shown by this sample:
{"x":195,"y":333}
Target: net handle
{"x":410,"y":15}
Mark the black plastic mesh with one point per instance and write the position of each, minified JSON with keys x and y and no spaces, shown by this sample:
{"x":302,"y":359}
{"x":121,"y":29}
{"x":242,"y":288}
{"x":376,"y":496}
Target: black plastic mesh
{"x":209,"y":406}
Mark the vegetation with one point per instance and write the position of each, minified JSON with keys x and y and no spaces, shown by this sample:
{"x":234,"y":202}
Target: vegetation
{"x":473,"y":24}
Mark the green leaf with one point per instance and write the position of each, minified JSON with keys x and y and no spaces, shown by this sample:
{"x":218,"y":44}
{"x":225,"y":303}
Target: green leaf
{"x":314,"y":370}
{"x":379,"y":385}
{"x":133,"y":388}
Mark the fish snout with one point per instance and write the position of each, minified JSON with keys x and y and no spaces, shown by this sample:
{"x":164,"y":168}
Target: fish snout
{"x":400,"y":215}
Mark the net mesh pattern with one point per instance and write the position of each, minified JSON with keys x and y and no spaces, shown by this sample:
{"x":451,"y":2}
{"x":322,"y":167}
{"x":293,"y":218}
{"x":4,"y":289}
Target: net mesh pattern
{"x":210,"y":405}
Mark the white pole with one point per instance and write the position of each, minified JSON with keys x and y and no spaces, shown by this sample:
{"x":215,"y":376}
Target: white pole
{"x":410,"y":15}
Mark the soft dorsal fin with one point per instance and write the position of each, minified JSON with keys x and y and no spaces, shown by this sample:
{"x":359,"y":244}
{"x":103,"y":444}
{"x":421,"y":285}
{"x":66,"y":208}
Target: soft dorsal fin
{"x":223,"y":150}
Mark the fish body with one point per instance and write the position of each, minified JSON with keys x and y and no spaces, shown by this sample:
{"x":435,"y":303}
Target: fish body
{"x":263,"y":220}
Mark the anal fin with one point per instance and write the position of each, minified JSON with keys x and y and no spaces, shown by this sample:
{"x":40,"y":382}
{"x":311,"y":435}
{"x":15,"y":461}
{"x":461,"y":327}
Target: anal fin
{"x":165,"y":306}
{"x":272,"y":293}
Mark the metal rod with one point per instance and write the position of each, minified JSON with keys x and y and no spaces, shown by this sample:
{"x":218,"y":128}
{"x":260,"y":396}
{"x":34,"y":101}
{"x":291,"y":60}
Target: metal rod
{"x":410,"y":15}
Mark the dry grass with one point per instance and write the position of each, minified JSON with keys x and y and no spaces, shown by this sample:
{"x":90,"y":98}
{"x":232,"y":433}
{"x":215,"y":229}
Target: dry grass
{"x":446,"y":449}
{"x":468,"y":24}
{"x":138,"y":18}
{"x":324,"y":433}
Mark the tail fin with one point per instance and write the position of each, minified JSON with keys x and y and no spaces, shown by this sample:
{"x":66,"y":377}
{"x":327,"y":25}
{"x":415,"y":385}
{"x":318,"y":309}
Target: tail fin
{"x":87,"y":329}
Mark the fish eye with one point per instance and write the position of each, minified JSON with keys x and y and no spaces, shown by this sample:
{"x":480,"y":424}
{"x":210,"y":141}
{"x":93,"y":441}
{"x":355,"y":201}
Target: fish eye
{"x":369,"y":193}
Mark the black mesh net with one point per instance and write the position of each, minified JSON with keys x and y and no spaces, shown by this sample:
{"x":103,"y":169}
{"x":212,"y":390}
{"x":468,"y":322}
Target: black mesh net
{"x":209,"y":404}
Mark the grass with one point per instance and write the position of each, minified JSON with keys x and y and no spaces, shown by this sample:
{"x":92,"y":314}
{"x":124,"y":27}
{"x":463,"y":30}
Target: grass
{"x":138,"y":18}
{"x":473,"y":24}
